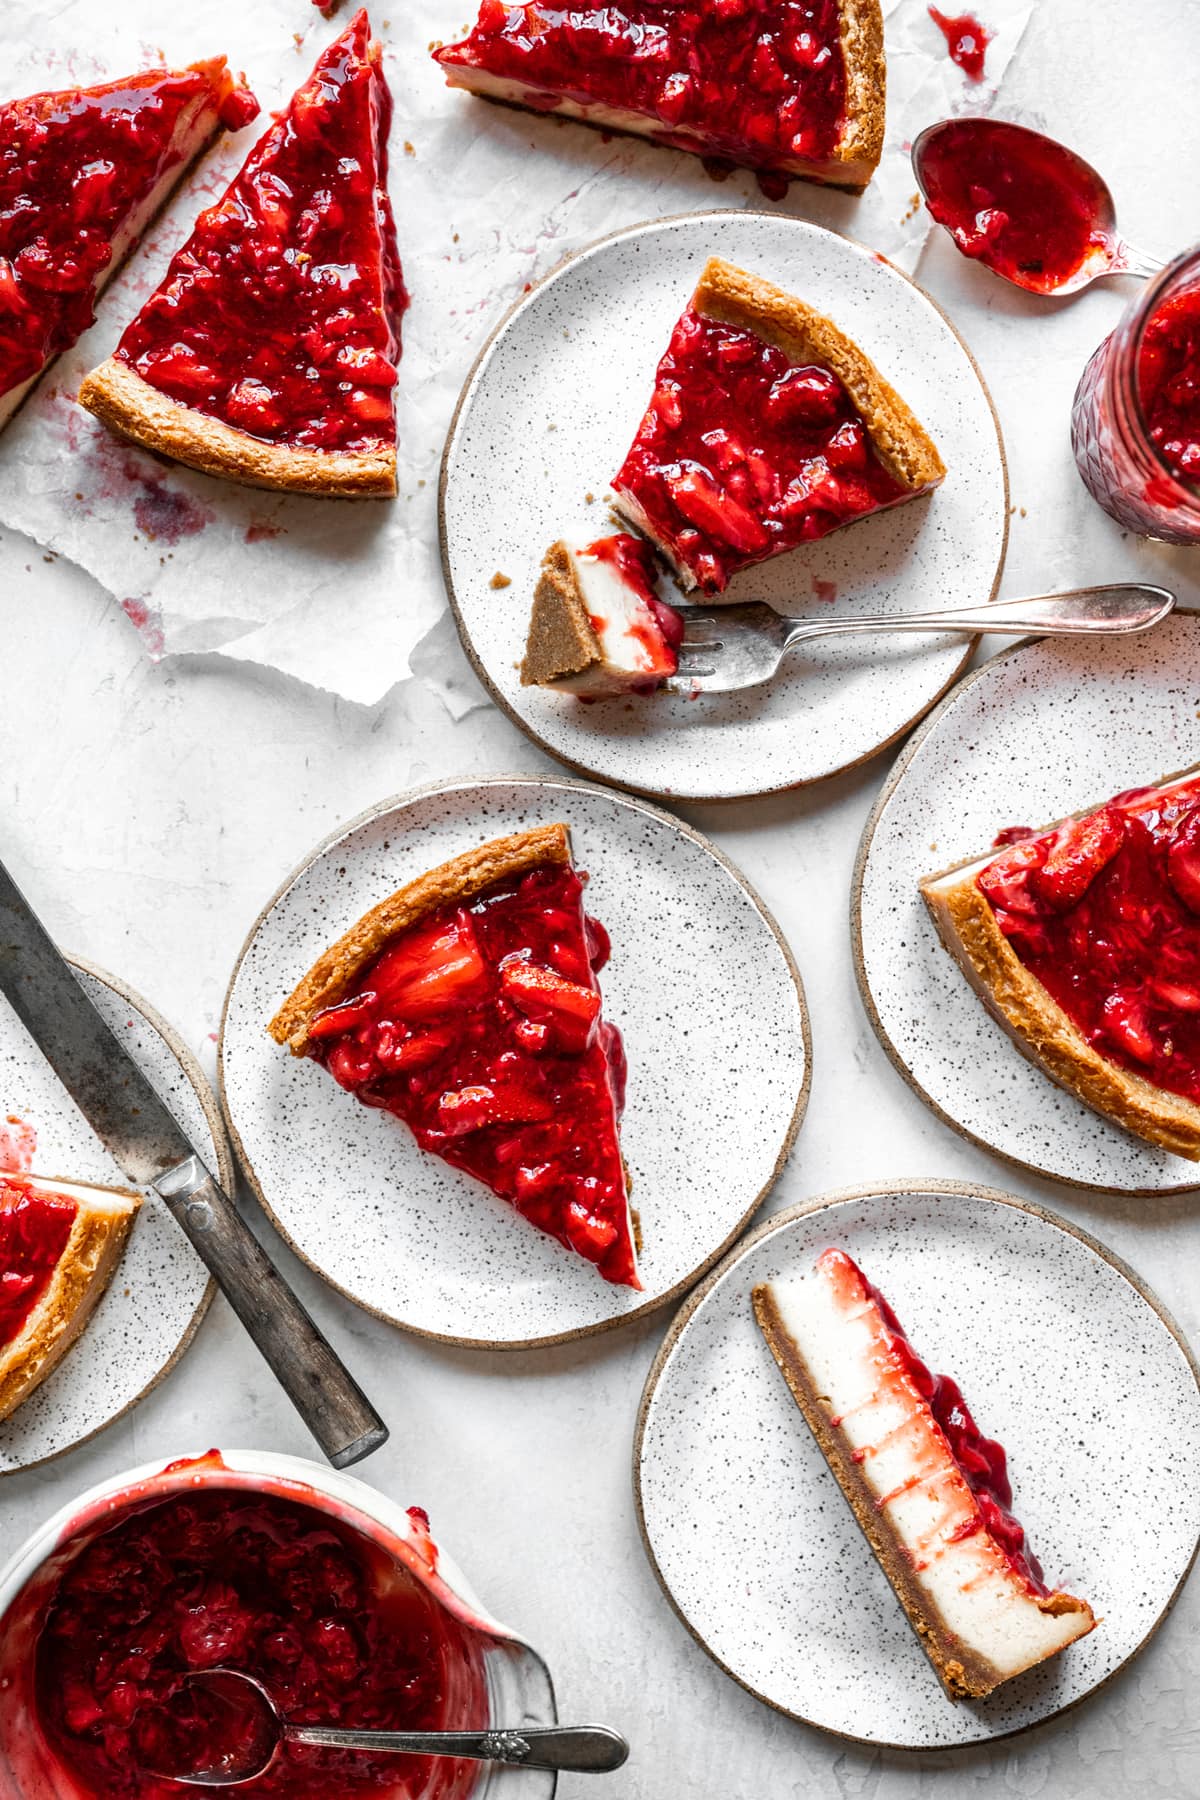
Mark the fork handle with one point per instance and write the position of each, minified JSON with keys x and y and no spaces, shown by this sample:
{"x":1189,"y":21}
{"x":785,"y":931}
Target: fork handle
{"x":1082,"y":611}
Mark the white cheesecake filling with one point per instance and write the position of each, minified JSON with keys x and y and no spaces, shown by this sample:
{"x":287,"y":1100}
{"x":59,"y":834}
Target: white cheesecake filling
{"x":921,"y":1494}
{"x":628,"y":635}
{"x":86,"y":1196}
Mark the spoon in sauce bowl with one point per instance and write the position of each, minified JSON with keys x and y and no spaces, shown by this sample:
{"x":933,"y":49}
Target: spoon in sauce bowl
{"x":222,"y":1729}
{"x":1025,"y":206}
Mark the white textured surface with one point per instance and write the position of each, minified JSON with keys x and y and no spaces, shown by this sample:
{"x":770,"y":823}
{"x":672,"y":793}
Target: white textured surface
{"x":151,"y":811}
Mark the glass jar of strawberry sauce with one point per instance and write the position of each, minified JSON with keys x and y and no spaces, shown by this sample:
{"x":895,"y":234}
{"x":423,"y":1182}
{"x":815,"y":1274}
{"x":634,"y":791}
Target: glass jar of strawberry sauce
{"x":1135,"y":423}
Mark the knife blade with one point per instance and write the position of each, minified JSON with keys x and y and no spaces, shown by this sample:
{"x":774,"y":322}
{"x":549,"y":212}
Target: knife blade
{"x":139,"y":1130}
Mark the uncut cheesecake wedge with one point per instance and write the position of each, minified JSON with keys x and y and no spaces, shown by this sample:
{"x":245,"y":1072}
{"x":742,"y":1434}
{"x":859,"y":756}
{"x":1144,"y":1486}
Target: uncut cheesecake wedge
{"x":1083,"y":941}
{"x":767,"y":428}
{"x":786,"y":87}
{"x":930,"y":1492}
{"x":467,"y":1005}
{"x":60,"y":1242}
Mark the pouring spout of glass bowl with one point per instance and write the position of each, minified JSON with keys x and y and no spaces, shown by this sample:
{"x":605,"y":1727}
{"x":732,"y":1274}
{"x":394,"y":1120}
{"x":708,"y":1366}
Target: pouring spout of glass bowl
{"x":222,"y":1729}
{"x":1028,"y":208}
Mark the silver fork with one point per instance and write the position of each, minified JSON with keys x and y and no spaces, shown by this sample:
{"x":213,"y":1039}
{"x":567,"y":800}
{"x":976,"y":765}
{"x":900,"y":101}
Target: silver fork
{"x":741,"y":646}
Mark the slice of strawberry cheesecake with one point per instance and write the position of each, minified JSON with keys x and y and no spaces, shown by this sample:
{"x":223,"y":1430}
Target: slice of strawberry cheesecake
{"x":467,"y":1004}
{"x":1083,"y":941}
{"x":598,"y":627}
{"x":787,"y":87}
{"x":83,"y":171}
{"x":930,"y":1492}
{"x":768,"y":427}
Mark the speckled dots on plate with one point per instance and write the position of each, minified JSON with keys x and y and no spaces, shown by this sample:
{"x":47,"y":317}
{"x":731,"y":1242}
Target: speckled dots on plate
{"x":711,"y":1112}
{"x":1038,"y":732}
{"x":158,"y":1295}
{"x":1061,"y":1355}
{"x":546,"y":418}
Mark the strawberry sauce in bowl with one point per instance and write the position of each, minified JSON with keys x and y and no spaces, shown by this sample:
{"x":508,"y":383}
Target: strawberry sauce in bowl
{"x":333,"y":1597}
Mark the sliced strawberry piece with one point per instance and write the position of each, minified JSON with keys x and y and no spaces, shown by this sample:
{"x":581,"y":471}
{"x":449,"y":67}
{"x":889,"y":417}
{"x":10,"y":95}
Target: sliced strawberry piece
{"x":714,"y":510}
{"x":432,"y":970}
{"x":1125,"y":1020}
{"x":474,"y":1108}
{"x":1005,"y":882}
{"x":1183,"y":859}
{"x":567,"y":1009}
{"x":1080,"y":849}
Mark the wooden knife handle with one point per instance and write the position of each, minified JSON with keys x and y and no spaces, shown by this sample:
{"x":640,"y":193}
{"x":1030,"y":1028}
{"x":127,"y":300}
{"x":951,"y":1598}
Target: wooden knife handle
{"x":316,"y":1381}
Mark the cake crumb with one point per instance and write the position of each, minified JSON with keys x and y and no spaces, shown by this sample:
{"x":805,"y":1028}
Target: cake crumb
{"x":590,"y":499}
{"x":500,"y":580}
{"x":408,"y":149}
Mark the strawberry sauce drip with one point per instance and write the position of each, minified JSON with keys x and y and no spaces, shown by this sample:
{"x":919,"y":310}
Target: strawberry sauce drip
{"x":966,"y":41}
{"x":281,"y":313}
{"x":1105,"y":912}
{"x":34,"y":1229}
{"x":481,"y":1029}
{"x":741,"y":454}
{"x":1168,"y":377}
{"x":73,"y":167}
{"x":981,"y":1459}
{"x":333,"y":1627}
{"x":1018,"y":203}
{"x":758,"y":82}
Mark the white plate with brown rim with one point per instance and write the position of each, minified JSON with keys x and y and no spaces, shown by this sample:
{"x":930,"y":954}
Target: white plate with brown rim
{"x":544,"y":421}
{"x":1062,"y":1354}
{"x":150,"y":1311}
{"x":711,"y":1111}
{"x":1041,"y":730}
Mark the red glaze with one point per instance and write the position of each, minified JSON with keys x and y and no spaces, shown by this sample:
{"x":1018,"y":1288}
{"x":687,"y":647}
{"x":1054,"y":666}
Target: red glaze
{"x":1105,"y":912}
{"x":74,"y":166}
{"x":336,"y":1630}
{"x":481,"y":1029}
{"x":966,"y":40}
{"x":18,"y":1145}
{"x":741,"y":455}
{"x":981,"y":1459}
{"x":662,"y":634}
{"x":281,"y":313}
{"x":1017,"y":202}
{"x":34,"y":1229}
{"x":1168,"y":375}
{"x":756,"y":82}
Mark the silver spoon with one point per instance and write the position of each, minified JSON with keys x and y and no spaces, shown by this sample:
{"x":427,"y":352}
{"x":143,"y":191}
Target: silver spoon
{"x":251,"y":1731}
{"x":1107,"y":254}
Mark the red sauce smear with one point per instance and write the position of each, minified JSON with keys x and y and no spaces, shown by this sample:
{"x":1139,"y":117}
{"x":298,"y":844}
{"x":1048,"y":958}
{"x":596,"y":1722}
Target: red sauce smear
{"x":1015,"y":201}
{"x":981,"y":1459}
{"x":73,"y":167}
{"x":481,"y":1029}
{"x":741,"y":454}
{"x":759,"y":85}
{"x":18,"y":1145}
{"x":332,"y":1626}
{"x":34,"y":1229}
{"x":1168,"y":377}
{"x":1105,"y":912}
{"x":966,"y":40}
{"x":281,"y":313}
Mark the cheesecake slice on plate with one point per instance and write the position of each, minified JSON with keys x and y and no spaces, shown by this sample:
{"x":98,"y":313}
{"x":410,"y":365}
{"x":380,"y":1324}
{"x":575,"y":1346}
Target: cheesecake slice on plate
{"x":788,"y":88}
{"x":83,"y":171}
{"x":768,"y":427}
{"x":60,"y":1242}
{"x":467,"y":1004}
{"x":598,"y":627}
{"x":930,"y":1492}
{"x":1083,"y":941}
{"x":268,"y":352}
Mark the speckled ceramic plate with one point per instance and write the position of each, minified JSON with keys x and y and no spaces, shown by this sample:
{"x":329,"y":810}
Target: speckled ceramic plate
{"x":161,"y":1289}
{"x":711,"y":1111}
{"x":1062,"y":1355}
{"x":545,"y":419}
{"x":1038,"y":732}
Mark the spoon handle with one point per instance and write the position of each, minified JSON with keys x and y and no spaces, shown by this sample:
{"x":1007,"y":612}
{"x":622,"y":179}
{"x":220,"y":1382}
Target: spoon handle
{"x":1102,"y":610}
{"x":585,"y":1749}
{"x":1129,"y":260}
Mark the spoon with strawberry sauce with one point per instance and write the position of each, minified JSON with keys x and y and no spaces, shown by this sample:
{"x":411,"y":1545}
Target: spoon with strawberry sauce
{"x":1025,"y":206}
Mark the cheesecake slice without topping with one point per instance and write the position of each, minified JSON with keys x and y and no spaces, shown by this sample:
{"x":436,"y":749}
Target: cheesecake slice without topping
{"x":930,"y":1492}
{"x":598,"y":628}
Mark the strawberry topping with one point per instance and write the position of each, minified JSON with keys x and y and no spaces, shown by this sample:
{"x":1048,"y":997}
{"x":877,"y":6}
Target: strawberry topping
{"x":741,"y":454}
{"x":756,"y":82}
{"x":75,"y":168}
{"x":1105,"y":912}
{"x":34,"y":1229}
{"x":482,"y":1029}
{"x":281,"y":313}
{"x":1169,"y":382}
